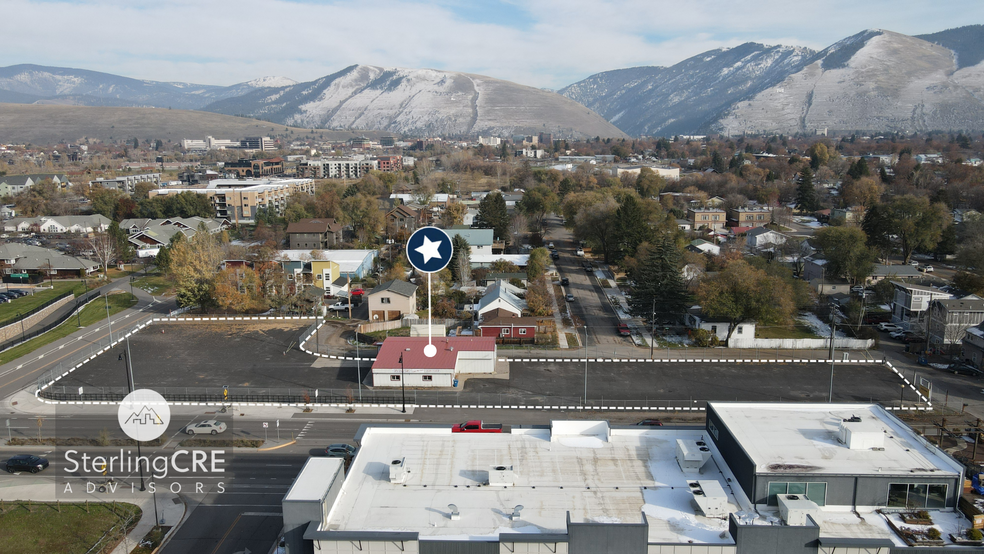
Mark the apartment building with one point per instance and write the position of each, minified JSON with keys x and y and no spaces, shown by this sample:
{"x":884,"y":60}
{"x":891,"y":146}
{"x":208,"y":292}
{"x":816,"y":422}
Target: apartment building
{"x":240,"y":200}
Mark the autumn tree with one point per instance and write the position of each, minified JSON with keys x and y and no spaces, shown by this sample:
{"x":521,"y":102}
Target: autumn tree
{"x":742,"y":293}
{"x":238,"y":289}
{"x":648,"y":184}
{"x":194,"y":263}
{"x":538,"y":298}
{"x":598,"y":225}
{"x":363,"y":213}
{"x":916,"y":223}
{"x":864,"y":192}
{"x":536,"y":203}
{"x":847,"y":253}
{"x":454,"y":214}
{"x":103,"y":249}
{"x":537,"y":265}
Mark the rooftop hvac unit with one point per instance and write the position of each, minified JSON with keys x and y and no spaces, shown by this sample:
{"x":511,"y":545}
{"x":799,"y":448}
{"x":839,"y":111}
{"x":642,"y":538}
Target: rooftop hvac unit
{"x":399,"y":471}
{"x":692,"y":455}
{"x":709,"y":498}
{"x":858,"y":434}
{"x":793,"y":508}
{"x":501,"y":476}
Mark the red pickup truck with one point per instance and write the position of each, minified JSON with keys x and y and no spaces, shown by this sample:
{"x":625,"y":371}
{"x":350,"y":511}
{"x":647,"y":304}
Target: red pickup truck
{"x":477,"y":426}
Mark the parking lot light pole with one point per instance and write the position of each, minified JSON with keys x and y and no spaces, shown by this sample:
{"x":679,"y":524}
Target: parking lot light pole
{"x":403,"y":384}
{"x":652,"y":341}
{"x":108,"y":320}
{"x":129,"y":385}
{"x":585,"y":367}
{"x":358,"y":364}
{"x":833,"y":325}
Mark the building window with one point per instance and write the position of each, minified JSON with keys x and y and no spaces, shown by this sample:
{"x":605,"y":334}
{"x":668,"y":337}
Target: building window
{"x":427,"y":378}
{"x":738,"y":330}
{"x":384,"y":301}
{"x":714,"y":329}
{"x":394,"y":377}
{"x":817,"y":492}
{"x":505,"y":331}
{"x":913,"y":495}
{"x":522,"y":331}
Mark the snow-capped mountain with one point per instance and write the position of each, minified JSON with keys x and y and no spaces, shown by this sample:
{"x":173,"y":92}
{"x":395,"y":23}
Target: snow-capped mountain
{"x":420,"y":102}
{"x":29,"y":84}
{"x":875,"y":80}
{"x":688,"y":96}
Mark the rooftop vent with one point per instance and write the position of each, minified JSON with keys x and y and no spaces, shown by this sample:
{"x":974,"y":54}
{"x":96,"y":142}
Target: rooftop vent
{"x":709,"y":498}
{"x":515,"y":514}
{"x":861,"y":435}
{"x":793,"y":508}
{"x":501,"y":476}
{"x":455,"y":515}
{"x":853,"y":419}
{"x":398,"y":471}
{"x":691,"y":456}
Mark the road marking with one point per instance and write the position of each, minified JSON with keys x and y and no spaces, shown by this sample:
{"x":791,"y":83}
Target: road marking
{"x":231,"y":527}
{"x":264,"y":514}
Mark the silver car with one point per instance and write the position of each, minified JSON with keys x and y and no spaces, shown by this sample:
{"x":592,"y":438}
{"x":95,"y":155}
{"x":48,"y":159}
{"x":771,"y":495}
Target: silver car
{"x":208,"y":427}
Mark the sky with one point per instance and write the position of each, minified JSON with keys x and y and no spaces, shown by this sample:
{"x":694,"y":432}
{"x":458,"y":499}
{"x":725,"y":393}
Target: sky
{"x":540,"y":43}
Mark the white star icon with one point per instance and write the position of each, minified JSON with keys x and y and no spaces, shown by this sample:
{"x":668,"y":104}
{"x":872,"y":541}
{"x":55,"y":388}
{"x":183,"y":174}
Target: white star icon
{"x":429,"y":249}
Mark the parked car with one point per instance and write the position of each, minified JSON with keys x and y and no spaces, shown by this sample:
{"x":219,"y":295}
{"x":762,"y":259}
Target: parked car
{"x":857,"y":288}
{"x":926,"y":269}
{"x":207,"y":427}
{"x":477,"y":426}
{"x":555,"y":255}
{"x":650,"y":423}
{"x":580,"y":252}
{"x":26,"y":462}
{"x":911,"y":337}
{"x":914,"y":263}
{"x":550,"y":246}
{"x":963,"y":368}
{"x":339,"y":306}
{"x":890,"y":327}
{"x":897,"y":334}
{"x":357,"y":291}
{"x":565,"y":281}
{"x":569,"y":297}
{"x":340,"y":450}
{"x":623,"y":330}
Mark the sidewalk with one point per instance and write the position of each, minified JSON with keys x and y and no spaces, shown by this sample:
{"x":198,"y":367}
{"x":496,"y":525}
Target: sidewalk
{"x":170,"y":512}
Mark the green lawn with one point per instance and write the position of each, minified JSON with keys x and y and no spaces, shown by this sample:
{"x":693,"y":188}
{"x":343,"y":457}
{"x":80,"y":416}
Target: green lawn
{"x":93,"y":313}
{"x":42,"y":528}
{"x":789,"y":332}
{"x":155,"y":283}
{"x":24,"y":304}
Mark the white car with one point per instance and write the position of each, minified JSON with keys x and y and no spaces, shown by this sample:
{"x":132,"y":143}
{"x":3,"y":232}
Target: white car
{"x":580,"y":252}
{"x":857,"y":288}
{"x":208,"y":427}
{"x":926,"y":269}
{"x":550,"y":246}
{"x":890,"y":327}
{"x":339,"y":306}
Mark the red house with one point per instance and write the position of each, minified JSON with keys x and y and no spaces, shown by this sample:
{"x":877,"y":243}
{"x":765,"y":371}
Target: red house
{"x":509,"y":329}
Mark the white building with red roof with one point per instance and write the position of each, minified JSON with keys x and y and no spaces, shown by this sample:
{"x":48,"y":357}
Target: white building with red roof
{"x":401,"y":361}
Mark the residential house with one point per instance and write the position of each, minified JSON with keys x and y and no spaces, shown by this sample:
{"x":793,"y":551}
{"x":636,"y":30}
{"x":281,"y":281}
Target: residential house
{"x":148,"y":241}
{"x":950,"y":319}
{"x":910,"y":306}
{"x":761,"y":238}
{"x":480,"y":240}
{"x":401,"y":222}
{"x":8,"y":211}
{"x":695,"y":318}
{"x":749,"y":217}
{"x":830,"y":287}
{"x":893,"y":272}
{"x":852,"y":215}
{"x":973,"y":346}
{"x":504,"y":297}
{"x":135,"y":225}
{"x":706,"y":218}
{"x":314,"y":234}
{"x":684,"y":225}
{"x":11,"y":185}
{"x":392,"y":300}
{"x":509,"y":329}
{"x":353,"y":264}
{"x":701,"y":246}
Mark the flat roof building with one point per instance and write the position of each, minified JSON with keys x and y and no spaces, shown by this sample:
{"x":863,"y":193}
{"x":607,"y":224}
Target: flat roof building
{"x":586,"y":487}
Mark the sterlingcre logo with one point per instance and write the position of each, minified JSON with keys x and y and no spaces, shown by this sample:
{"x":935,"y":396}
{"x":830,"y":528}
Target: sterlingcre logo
{"x":144,"y":415}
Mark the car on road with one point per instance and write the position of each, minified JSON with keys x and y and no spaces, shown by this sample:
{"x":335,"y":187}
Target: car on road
{"x":555,"y":255}
{"x":926,"y":269}
{"x":857,"y":288}
{"x":565,"y":281}
{"x":569,"y":297}
{"x":650,"y":423}
{"x":207,"y":427}
{"x":914,"y":263}
{"x":550,"y":246}
{"x":580,"y":252}
{"x":623,"y":330}
{"x":26,"y":462}
{"x":890,"y":327}
{"x":340,"y":450}
{"x":339,"y":307}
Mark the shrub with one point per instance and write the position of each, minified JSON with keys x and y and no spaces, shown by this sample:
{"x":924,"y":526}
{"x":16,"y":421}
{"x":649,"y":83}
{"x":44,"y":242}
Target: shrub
{"x":922,"y":514}
{"x":933,"y":533}
{"x":703,"y":338}
{"x":975,"y":534}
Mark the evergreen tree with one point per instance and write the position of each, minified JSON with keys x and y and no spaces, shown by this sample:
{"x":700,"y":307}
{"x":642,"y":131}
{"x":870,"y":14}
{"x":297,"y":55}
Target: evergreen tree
{"x":492,"y":214}
{"x":633,"y":228}
{"x":806,"y":194}
{"x":460,"y":259}
{"x":859,"y":169}
{"x":659,"y":283}
{"x":124,"y":250}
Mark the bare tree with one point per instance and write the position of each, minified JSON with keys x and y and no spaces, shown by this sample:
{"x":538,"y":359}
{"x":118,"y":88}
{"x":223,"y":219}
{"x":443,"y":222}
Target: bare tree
{"x":103,"y":247}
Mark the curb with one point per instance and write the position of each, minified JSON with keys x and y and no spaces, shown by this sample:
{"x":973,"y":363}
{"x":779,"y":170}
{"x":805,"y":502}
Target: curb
{"x":276,"y":447}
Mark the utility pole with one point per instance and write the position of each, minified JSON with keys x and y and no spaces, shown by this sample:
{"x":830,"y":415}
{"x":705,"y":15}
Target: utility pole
{"x":108,"y":320}
{"x":833,"y":326}
{"x":129,"y":385}
{"x":652,"y":342}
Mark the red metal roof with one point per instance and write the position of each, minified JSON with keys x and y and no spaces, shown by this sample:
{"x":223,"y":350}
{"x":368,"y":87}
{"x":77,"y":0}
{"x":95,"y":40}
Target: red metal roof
{"x":412,"y":349}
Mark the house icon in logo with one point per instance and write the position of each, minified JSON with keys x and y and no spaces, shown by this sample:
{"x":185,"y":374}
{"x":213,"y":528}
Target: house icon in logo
{"x":145,"y":416}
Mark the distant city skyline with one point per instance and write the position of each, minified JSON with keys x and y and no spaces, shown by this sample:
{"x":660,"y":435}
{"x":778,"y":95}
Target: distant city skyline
{"x":545,"y":43}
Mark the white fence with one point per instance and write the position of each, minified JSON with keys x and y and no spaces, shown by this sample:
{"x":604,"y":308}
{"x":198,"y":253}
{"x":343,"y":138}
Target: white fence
{"x":792,"y":344}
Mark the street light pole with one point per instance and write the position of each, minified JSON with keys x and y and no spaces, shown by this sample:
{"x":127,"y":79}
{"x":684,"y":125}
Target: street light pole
{"x":652,"y":341}
{"x":403,"y":384}
{"x":833,"y":326}
{"x":108,"y":320}
{"x":585,"y":367}
{"x":129,"y":385}
{"x":358,"y":364}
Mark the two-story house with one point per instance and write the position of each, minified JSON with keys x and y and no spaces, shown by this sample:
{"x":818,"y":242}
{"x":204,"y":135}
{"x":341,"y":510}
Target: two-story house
{"x":706,"y":218}
{"x":910,"y":307}
{"x":401,"y":222}
{"x":950,"y":319}
{"x":973,"y":346}
{"x":314,"y":234}
{"x":392,"y":300}
{"x":480,"y":240}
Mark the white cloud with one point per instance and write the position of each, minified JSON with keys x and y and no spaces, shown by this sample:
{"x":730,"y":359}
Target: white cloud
{"x":560,"y":41}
